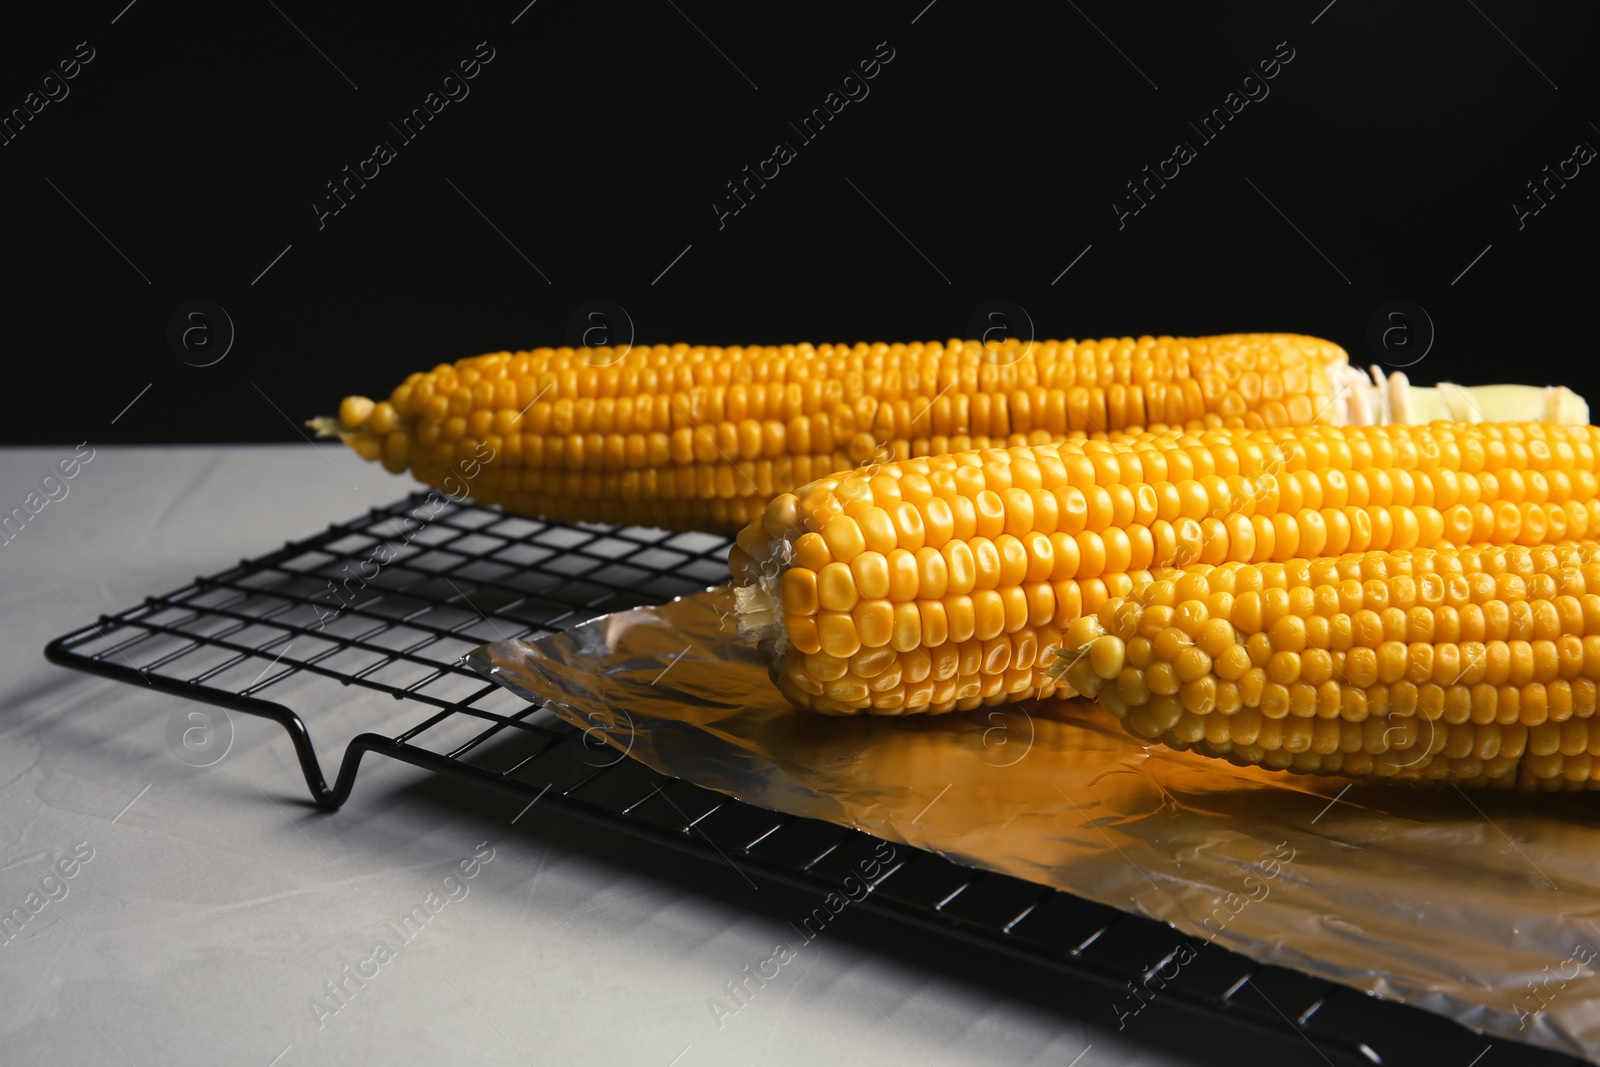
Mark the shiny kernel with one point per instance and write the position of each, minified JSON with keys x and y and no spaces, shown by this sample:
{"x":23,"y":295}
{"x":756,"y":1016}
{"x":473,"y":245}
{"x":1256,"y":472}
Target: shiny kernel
{"x":1131,"y":687}
{"x":907,"y":632}
{"x":1284,"y":667}
{"x":997,"y":654}
{"x":1140,"y":652}
{"x":798,"y":589}
{"x":811,"y":552}
{"x":871,"y":573}
{"x":1018,"y":505}
{"x":908,"y":525}
{"x":802,"y":633}
{"x":872,"y":662}
{"x":1232,"y":663}
{"x":877,"y":529}
{"x":989,"y":614}
{"x":1162,"y":679}
{"x":874,"y":622}
{"x":837,"y":632}
{"x":960,"y":567}
{"x":836,"y":588}
{"x":1170,"y":642}
{"x":1288,"y":634}
{"x":1216,"y":637}
{"x":353,"y":411}
{"x":938,"y":521}
{"x":1191,"y":664}
{"x":1274,"y":700}
{"x":1107,"y":655}
{"x":933,"y":575}
{"x":935,"y":623}
{"x":844,"y":538}
{"x":1199,"y":695}
{"x":1014,"y":561}
{"x":991,"y":513}
{"x":826,"y":667}
{"x":904,"y":578}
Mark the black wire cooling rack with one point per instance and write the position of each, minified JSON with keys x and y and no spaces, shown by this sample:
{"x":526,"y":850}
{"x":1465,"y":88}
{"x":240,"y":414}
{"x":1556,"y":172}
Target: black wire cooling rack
{"x":339,"y":606}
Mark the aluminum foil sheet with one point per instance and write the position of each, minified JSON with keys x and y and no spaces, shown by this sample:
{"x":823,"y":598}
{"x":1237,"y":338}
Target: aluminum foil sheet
{"x":1481,"y":906}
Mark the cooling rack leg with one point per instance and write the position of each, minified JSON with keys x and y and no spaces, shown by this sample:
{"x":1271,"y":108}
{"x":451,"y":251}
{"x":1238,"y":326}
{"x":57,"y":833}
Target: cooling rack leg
{"x":58,"y":653}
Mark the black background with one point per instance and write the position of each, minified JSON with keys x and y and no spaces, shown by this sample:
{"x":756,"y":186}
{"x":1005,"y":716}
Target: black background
{"x":986,"y":158}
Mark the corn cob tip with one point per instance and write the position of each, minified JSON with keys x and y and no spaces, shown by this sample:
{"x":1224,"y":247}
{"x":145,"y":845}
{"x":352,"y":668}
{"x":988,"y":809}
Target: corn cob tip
{"x":363,"y":424}
{"x":1563,"y":405}
{"x":356,"y":415}
{"x":756,"y":564}
{"x":1372,"y":398}
{"x":324,"y":426}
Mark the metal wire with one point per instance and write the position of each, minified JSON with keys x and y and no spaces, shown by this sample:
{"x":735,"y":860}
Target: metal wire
{"x":390,"y":601}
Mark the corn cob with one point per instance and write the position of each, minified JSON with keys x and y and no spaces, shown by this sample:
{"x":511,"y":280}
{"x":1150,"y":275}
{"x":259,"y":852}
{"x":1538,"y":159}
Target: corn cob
{"x":943,"y":583}
{"x":1472,"y":666}
{"x":704,"y":437}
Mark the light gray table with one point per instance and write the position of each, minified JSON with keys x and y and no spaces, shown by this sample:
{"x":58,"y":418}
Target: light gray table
{"x":218,"y":903}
